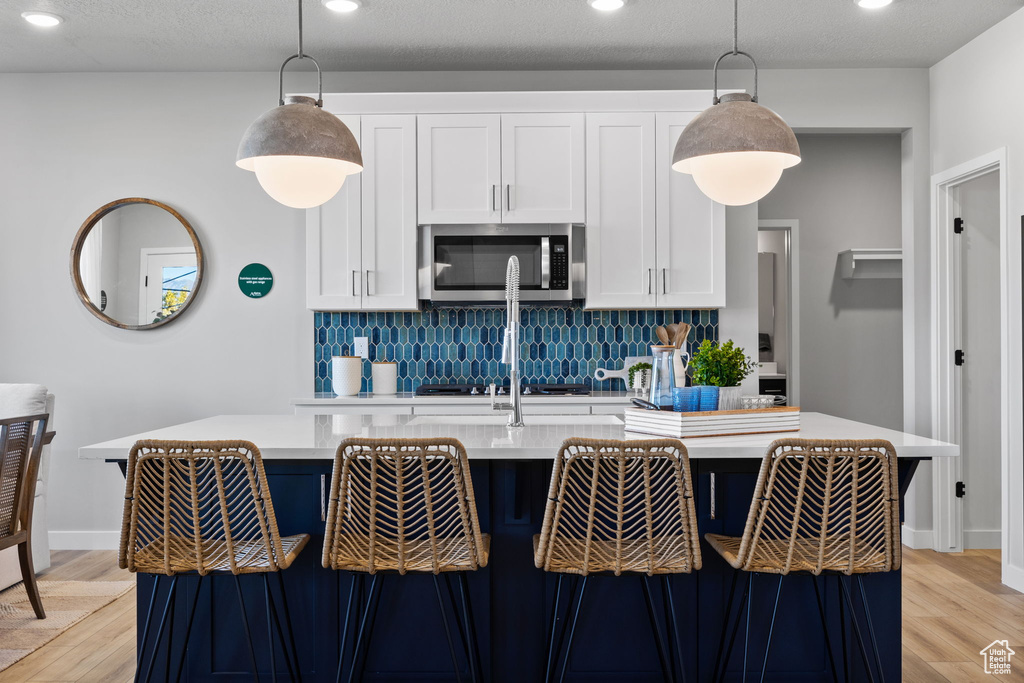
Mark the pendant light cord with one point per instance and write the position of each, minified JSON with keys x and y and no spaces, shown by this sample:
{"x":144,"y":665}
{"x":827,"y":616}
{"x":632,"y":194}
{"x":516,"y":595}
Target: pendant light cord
{"x":735,"y":27}
{"x":735,"y":52}
{"x":301,"y":55}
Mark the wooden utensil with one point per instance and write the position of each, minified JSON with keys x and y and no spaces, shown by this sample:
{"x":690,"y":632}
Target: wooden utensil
{"x":682,"y":332}
{"x":671,"y":328}
{"x":662,"y":335}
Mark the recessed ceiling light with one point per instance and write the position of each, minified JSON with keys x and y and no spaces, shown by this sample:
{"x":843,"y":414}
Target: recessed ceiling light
{"x":42,"y":18}
{"x":342,"y":5}
{"x":607,"y":5}
{"x":873,"y":4}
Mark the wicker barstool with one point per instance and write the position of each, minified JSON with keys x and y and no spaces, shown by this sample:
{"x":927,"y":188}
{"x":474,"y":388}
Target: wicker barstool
{"x":819,"y":507}
{"x":21,"y":445}
{"x":204,"y":507}
{"x":399,"y":506}
{"x":619,"y":507}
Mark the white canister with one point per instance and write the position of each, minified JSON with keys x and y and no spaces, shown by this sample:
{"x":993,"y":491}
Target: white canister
{"x":346,"y":375}
{"x":385,"y":378}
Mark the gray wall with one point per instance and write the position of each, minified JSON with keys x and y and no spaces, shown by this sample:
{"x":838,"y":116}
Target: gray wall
{"x":85,"y":139}
{"x":846,"y":194}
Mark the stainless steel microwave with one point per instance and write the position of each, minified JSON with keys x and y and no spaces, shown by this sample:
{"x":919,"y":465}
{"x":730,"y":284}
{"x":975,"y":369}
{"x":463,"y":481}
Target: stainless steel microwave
{"x":466,"y":263}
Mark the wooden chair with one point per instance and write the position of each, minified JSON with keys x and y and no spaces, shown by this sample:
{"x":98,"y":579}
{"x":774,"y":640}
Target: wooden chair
{"x":619,"y":507}
{"x":204,"y":507}
{"x":21,"y":445}
{"x":399,"y":506}
{"x":819,"y":507}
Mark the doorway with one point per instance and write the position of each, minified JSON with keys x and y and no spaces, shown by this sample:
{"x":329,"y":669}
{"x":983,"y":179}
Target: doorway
{"x":778,"y":246}
{"x":972,"y":495}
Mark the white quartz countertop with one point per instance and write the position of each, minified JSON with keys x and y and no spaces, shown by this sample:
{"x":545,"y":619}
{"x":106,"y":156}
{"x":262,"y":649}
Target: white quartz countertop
{"x":409,"y":398}
{"x":304,"y":437}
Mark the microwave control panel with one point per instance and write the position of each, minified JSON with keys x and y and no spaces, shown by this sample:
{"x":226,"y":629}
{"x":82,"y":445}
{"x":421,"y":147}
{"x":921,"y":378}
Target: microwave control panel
{"x":559,"y":262}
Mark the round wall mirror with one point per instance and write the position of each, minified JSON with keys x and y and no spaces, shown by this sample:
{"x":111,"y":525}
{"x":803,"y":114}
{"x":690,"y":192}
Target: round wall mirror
{"x":136,"y":264}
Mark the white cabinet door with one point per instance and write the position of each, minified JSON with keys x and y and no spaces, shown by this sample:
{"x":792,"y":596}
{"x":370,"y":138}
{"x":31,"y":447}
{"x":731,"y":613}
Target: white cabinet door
{"x":459,"y":164}
{"x":389,"y":213}
{"x":333,"y":246}
{"x":690,"y":268}
{"x":620,"y":211}
{"x":543,"y":167}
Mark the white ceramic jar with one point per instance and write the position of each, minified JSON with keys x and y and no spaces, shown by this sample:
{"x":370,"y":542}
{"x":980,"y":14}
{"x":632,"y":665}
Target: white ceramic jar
{"x":346,"y":375}
{"x":385,"y":378}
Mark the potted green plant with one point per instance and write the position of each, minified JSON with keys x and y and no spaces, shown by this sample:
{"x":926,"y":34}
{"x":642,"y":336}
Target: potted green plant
{"x":723,"y":366}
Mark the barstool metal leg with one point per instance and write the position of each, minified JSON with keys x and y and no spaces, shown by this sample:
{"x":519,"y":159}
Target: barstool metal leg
{"x":343,"y":645}
{"x":856,"y":629}
{"x":245,"y":625}
{"x":824,"y":628}
{"x":270,"y":632}
{"x":160,"y":630}
{"x":719,"y":664}
{"x":357,"y":655}
{"x":771,"y":628}
{"x":871,"y":627}
{"x":463,"y":636}
{"x":736,"y":626}
{"x":842,"y":629}
{"x":572,"y":630}
{"x":145,"y":630}
{"x":475,"y":665}
{"x":447,"y":630}
{"x":746,"y":635}
{"x":188,"y":630}
{"x":674,"y":625}
{"x":659,"y":642}
{"x":288,"y":624}
{"x":554,"y":629}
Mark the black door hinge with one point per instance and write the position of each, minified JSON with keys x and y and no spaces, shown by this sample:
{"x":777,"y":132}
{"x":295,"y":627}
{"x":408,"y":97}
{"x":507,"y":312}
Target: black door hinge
{"x":961,"y":490}
{"x":958,"y":225}
{"x":958,"y":357}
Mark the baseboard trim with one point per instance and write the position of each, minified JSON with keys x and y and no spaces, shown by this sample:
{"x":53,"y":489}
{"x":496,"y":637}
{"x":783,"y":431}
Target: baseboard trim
{"x":918,"y":539}
{"x":983,"y":539}
{"x":1013,"y":577}
{"x":85,"y":540}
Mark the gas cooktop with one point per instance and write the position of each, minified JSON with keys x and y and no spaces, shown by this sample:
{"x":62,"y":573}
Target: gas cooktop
{"x":483,"y":389}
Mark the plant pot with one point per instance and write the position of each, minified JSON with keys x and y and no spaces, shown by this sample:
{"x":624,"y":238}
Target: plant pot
{"x":730,"y":398}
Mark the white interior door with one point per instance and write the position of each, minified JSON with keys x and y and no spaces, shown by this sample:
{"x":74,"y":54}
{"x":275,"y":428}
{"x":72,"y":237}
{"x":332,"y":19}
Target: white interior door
{"x":690,"y":268}
{"x":543,"y":167}
{"x":389,"y":213}
{"x":334,"y":271}
{"x":620,"y":211}
{"x":459,"y":164}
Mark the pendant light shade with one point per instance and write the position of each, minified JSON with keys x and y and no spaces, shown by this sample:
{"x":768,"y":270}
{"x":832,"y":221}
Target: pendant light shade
{"x":736,"y":149}
{"x":301,"y":154}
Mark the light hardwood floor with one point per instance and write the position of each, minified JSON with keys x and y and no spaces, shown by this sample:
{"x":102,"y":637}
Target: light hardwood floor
{"x":953,"y":606}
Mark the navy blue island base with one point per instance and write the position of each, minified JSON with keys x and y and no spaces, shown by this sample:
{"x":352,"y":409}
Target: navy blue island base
{"x":512,"y":599}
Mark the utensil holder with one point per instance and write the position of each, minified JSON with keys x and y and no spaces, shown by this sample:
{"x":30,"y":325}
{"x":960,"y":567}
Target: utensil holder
{"x":346,"y":375}
{"x":385,"y":378}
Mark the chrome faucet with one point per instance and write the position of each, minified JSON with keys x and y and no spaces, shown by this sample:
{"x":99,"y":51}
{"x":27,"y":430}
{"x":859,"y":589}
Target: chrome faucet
{"x":510,"y":347}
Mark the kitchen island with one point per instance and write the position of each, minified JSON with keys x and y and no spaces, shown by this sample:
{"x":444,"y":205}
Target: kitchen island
{"x":512,"y":598}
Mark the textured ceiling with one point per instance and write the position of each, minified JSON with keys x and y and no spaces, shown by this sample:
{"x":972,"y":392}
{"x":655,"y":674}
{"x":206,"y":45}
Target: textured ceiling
{"x":400,"y":35}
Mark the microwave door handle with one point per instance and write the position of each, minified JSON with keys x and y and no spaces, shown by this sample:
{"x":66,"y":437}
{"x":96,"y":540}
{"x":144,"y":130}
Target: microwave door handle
{"x":545,"y":263}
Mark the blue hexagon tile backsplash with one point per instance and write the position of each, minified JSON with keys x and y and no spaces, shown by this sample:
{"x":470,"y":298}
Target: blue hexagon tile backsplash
{"x":559,"y":345}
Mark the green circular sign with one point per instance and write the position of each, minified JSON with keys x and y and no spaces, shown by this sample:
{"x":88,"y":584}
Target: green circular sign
{"x":255,"y":280}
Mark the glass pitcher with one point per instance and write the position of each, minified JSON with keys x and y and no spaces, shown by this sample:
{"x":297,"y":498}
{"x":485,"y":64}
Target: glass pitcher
{"x":662,"y":376}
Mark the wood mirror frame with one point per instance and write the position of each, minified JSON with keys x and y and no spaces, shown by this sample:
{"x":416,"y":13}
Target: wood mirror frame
{"x":79,"y":243}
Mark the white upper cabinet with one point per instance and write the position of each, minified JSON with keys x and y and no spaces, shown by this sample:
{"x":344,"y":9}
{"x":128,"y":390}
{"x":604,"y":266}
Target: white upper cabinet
{"x":621,"y":211}
{"x":333,"y":245}
{"x":690,"y":263}
{"x":459,"y":168}
{"x":389,"y":213}
{"x":361,"y":245}
{"x":502,"y":168}
{"x":543,"y":168}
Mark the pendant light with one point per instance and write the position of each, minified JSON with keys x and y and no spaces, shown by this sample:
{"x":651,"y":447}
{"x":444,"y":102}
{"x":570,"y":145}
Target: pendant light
{"x":736,"y":149}
{"x":300,"y":153}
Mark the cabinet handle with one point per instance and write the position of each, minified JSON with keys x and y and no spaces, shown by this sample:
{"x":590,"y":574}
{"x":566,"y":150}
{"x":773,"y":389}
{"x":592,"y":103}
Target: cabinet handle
{"x":664,"y":280}
{"x":494,"y":200}
{"x":508,"y":196}
{"x":713,"y":508}
{"x":355,"y":283}
{"x":650,"y":280}
{"x":323,"y":497}
{"x":368,"y":283}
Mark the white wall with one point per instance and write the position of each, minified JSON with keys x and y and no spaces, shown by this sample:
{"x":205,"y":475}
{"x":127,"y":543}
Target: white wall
{"x":85,"y":139}
{"x":975,"y":108}
{"x":846,"y":194}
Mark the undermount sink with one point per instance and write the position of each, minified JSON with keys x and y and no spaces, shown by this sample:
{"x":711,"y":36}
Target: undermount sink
{"x":499,"y":419}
